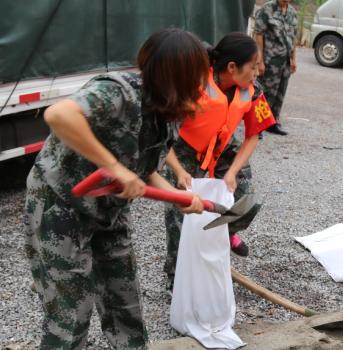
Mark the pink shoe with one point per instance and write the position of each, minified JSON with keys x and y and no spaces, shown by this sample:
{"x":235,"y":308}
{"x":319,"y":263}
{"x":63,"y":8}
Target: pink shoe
{"x":237,"y":245}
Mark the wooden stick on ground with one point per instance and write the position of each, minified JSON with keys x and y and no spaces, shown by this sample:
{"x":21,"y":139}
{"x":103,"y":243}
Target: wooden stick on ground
{"x":267,"y":294}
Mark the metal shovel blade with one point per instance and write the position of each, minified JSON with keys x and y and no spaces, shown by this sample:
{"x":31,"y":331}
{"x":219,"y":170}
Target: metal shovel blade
{"x":242,"y":206}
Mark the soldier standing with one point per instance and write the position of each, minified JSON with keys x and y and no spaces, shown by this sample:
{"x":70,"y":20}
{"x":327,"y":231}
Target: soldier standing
{"x":80,"y":249}
{"x":275,"y":30}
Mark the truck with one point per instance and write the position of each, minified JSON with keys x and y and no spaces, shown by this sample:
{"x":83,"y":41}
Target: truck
{"x":327,"y":34}
{"x":50,"y":48}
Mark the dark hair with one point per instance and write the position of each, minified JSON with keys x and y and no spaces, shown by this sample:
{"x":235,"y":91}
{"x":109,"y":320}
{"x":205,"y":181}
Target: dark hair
{"x":174,"y":65}
{"x":234,"y":47}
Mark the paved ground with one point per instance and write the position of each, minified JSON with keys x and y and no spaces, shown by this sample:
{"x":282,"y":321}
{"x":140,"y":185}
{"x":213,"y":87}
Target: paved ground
{"x":322,"y":332}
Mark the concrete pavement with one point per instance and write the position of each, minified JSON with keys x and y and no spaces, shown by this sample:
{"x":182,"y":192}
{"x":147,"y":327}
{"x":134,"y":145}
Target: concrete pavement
{"x":322,"y":332}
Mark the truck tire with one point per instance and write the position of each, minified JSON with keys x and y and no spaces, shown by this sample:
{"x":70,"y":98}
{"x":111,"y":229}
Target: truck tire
{"x":328,"y":51}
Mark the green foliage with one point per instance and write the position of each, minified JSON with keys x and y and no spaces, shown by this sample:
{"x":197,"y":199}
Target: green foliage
{"x":301,"y":16}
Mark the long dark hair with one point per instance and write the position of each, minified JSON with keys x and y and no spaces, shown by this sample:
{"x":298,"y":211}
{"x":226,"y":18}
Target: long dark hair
{"x":174,"y":66}
{"x":234,"y":47}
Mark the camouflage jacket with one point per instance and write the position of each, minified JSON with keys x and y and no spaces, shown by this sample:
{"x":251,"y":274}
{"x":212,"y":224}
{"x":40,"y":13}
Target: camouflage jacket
{"x":279,"y":30}
{"x":112,"y":106}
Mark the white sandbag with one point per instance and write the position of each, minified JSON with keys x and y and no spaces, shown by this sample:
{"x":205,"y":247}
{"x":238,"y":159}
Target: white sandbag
{"x":327,"y":247}
{"x":203,"y":304}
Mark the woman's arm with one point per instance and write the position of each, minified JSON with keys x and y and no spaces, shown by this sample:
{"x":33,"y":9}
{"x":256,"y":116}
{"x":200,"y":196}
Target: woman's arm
{"x":158,"y":181}
{"x":184,"y":179}
{"x":245,"y":151}
{"x":68,"y":123}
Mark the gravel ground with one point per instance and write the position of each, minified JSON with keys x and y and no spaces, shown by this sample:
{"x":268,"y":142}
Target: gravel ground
{"x":299,"y":179}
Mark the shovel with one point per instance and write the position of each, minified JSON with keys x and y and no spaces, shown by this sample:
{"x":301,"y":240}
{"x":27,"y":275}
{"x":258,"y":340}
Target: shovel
{"x":101,"y":183}
{"x":93,"y":186}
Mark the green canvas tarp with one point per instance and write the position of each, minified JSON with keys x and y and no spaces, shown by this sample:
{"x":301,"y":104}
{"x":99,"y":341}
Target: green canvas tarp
{"x":53,"y":37}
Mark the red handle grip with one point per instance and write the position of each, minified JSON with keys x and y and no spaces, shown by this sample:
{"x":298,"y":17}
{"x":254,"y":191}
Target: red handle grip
{"x":90,"y":186}
{"x":183,"y":199}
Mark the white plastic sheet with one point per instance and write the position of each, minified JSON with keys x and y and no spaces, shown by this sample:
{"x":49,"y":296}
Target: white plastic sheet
{"x":203,"y":304}
{"x":327,"y":247}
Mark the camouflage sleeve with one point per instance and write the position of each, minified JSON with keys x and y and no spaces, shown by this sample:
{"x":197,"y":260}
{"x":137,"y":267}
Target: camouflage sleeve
{"x":102,"y":103}
{"x":261,"y":21}
{"x":98,"y":99}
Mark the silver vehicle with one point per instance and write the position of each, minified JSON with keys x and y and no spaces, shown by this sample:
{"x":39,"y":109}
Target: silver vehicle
{"x":327,"y":33}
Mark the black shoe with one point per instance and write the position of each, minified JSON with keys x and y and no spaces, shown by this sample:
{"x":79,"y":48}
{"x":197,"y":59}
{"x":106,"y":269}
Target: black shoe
{"x":276,"y":129}
{"x":238,"y":246}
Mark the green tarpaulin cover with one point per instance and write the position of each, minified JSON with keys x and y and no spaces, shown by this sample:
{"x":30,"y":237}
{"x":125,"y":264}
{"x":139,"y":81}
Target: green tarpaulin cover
{"x":54,"y":37}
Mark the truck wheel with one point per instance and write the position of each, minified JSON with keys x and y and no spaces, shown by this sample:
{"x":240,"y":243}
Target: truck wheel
{"x":329,"y":51}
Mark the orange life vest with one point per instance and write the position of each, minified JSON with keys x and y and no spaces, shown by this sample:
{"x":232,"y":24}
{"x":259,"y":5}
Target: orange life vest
{"x":210,"y":130}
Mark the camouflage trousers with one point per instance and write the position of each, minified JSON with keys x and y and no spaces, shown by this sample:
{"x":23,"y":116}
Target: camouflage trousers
{"x":173,"y":217}
{"x":275,"y":82}
{"x":75,"y":265}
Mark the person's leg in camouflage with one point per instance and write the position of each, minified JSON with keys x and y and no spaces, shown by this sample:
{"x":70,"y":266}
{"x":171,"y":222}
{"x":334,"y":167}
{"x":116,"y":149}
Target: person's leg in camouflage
{"x":62,"y":253}
{"x":274,"y":82}
{"x":271,"y":81}
{"x":285,"y":73}
{"x":117,"y":297}
{"x":62,"y":271}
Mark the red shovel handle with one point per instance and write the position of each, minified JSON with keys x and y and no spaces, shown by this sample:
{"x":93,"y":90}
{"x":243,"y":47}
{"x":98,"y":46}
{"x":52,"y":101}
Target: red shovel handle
{"x":183,"y":199}
{"x":91,"y":186}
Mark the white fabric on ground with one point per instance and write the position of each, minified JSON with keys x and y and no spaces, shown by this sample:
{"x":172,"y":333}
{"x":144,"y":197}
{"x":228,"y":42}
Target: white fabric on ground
{"x":327,"y":247}
{"x":203,"y":304}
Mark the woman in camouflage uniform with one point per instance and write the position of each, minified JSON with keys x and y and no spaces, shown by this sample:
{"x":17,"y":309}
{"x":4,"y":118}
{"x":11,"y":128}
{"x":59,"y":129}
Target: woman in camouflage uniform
{"x":235,"y":64}
{"x":80,"y":249}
